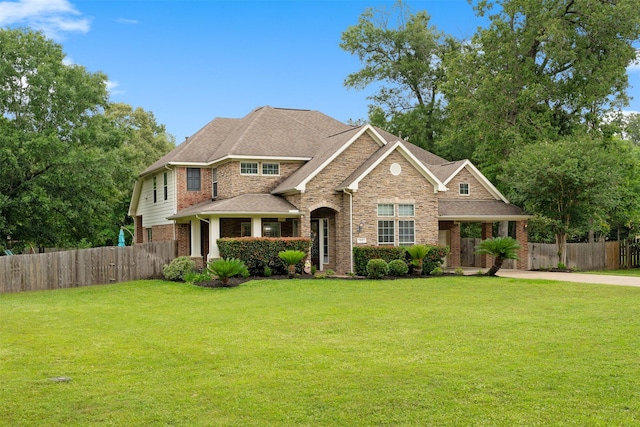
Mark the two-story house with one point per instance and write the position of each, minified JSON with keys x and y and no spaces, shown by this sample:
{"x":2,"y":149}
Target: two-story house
{"x":283,"y":172}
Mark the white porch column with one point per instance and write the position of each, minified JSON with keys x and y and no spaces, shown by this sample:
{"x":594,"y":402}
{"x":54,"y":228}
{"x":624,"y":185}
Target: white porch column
{"x":195,"y":238}
{"x":214,"y":235}
{"x":256,"y":227}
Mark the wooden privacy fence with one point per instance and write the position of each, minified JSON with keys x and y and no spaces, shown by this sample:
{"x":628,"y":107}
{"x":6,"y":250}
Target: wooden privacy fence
{"x":85,"y":267}
{"x":584,"y":256}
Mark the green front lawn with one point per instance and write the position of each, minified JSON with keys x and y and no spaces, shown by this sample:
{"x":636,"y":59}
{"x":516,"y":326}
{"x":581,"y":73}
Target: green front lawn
{"x":635,"y":272}
{"x":441,"y":351}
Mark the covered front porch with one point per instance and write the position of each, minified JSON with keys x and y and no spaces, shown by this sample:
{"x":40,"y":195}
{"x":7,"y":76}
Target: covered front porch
{"x":249,"y":215}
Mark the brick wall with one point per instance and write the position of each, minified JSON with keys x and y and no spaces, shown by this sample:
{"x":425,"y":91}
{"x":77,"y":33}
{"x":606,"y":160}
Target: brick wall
{"x":139,"y":230}
{"x":523,"y":239}
{"x":183,"y":234}
{"x":190,"y":198}
{"x":162,"y":232}
{"x":410,"y":187}
{"x":320,"y":193}
{"x":476,"y":190}
{"x":231,"y":183}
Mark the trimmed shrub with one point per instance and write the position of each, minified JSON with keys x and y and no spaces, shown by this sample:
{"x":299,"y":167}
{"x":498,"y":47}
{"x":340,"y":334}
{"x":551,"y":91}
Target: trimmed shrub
{"x":258,"y":252}
{"x":178,"y":267}
{"x":291,"y":258}
{"x":226,"y":268}
{"x":398,"y":267}
{"x":435,"y":257}
{"x":377,"y":268}
{"x":363,"y":254}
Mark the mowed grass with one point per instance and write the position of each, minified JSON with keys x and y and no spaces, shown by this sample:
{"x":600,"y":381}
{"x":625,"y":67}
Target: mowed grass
{"x":634,"y":272}
{"x":440,"y":351}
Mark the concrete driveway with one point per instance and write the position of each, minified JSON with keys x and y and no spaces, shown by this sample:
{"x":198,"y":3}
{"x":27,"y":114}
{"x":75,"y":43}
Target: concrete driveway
{"x":571,"y":277}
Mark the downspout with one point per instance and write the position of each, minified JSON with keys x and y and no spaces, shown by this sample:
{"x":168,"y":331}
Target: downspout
{"x":350,"y":229}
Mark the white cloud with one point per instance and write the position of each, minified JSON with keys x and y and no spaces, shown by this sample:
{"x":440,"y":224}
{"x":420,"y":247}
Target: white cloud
{"x":53,"y":17}
{"x":635,"y":65}
{"x":112,"y":87}
{"x":126,"y":21}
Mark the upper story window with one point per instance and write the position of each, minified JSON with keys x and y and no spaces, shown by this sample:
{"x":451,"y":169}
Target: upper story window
{"x":385,"y":209}
{"x":406,"y":210}
{"x":214,"y":183}
{"x":464,"y":189}
{"x":249,"y":168}
{"x":155,"y":189}
{"x":271,"y":169}
{"x":193,"y":179}
{"x":166,"y":185}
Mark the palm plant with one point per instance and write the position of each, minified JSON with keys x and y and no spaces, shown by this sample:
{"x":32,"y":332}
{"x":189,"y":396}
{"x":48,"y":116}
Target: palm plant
{"x":500,"y":248}
{"x":291,"y":258}
{"x":226,"y":268}
{"x":417,"y":254}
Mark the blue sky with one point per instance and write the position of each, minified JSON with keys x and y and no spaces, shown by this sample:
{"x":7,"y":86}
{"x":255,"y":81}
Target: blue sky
{"x":191,"y":61}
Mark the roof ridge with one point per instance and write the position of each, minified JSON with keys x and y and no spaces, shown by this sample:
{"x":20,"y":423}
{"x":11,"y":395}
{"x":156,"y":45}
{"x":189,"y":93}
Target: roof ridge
{"x":258,"y":112}
{"x":317,"y":131}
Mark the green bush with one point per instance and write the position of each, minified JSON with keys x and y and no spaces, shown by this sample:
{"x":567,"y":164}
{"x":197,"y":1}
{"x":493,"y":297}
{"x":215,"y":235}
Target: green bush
{"x":398,"y":267}
{"x":258,"y":252}
{"x":435,"y":257}
{"x":363,"y":254}
{"x":459,"y":271}
{"x":178,"y":267}
{"x":377,"y":268}
{"x":195,"y":277}
{"x":267,"y":271}
{"x":226,"y":268}
{"x":438,"y":271}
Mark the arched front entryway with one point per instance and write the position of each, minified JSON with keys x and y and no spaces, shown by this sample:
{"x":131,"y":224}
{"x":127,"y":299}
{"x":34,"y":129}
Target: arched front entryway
{"x":323,"y":239}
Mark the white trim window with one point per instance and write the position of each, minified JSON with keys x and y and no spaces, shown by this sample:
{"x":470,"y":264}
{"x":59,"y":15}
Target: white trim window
{"x":386,"y":232}
{"x":248,"y":168}
{"x":387,"y":227}
{"x":385,"y":209}
{"x":406,"y":232}
{"x":271,"y":169}
{"x":464,"y":189}
{"x":406,"y":209}
{"x":165,"y":178}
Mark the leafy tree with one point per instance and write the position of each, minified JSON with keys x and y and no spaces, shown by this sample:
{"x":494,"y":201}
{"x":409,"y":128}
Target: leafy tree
{"x":407,"y":60}
{"x":68,"y":159}
{"x":632,"y":128}
{"x":572,"y":182}
{"x":500,"y":248}
{"x":57,"y":169}
{"x":542,"y":70}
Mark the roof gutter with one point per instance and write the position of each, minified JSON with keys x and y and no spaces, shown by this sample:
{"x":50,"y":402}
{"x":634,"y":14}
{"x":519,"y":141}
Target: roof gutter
{"x":350,"y":228}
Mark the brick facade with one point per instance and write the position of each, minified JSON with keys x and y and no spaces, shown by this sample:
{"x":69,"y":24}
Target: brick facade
{"x":189,"y":198}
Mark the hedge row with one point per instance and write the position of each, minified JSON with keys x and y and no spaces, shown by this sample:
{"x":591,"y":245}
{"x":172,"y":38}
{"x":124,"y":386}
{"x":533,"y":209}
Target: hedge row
{"x":363,"y":254}
{"x":258,"y":252}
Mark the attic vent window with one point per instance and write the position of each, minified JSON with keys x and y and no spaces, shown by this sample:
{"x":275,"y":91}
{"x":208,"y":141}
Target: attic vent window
{"x":464,"y":189}
{"x":395,"y":169}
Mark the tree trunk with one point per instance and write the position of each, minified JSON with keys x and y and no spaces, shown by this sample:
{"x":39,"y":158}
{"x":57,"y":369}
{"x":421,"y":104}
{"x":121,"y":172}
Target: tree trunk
{"x":561,"y":244}
{"x":503,"y":229}
{"x":292,"y":271}
{"x":495,"y":267}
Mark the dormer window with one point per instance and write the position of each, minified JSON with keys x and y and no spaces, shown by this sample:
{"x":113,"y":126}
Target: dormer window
{"x":249,"y":168}
{"x":464,"y":189}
